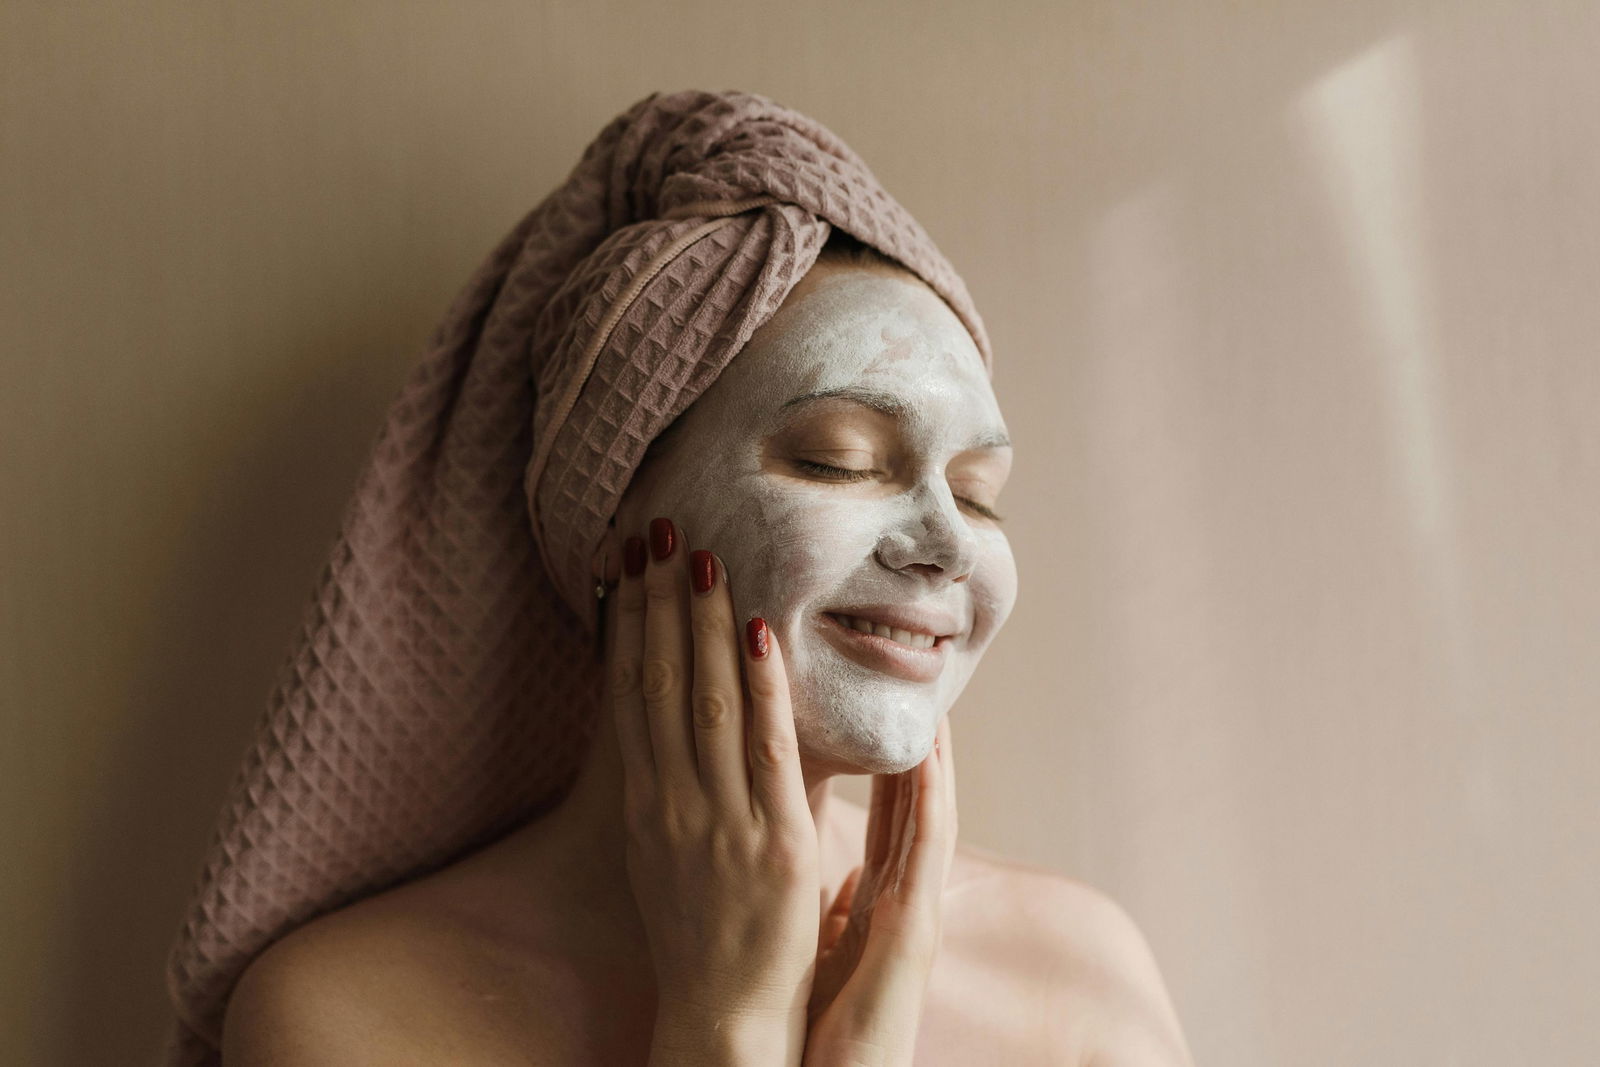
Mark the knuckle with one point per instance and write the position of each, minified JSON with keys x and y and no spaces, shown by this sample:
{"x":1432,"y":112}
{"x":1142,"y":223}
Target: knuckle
{"x":707,"y":625}
{"x":771,"y":752}
{"x":625,"y":679}
{"x":784,"y":855}
{"x":712,"y":710}
{"x":660,"y":589}
{"x":660,"y":678}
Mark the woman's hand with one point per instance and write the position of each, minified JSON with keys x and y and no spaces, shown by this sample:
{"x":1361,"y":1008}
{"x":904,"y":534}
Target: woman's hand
{"x":722,"y":849}
{"x":878,"y":941}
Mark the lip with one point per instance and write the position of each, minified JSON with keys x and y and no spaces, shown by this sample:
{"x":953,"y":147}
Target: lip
{"x":898,"y":617}
{"x":883,"y":654}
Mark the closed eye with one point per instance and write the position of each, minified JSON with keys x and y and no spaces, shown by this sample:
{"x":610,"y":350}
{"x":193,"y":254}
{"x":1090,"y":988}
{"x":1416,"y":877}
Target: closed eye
{"x":842,"y":474}
{"x":838,"y":474}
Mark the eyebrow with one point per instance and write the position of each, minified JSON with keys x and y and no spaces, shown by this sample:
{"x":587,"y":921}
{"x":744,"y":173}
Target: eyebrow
{"x":893,"y":406}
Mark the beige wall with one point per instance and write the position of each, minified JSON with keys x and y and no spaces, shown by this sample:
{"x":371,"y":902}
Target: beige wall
{"x":1295,"y":314}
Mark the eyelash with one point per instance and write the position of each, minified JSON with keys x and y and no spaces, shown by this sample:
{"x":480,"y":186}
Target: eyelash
{"x":843,"y":475}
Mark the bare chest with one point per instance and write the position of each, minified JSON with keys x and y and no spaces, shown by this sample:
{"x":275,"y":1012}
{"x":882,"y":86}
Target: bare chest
{"x":990,"y":1000}
{"x":994,"y":999}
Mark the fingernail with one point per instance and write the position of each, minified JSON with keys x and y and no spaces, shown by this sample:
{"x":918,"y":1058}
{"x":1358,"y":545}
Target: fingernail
{"x":633,"y":556}
{"x":661,"y":538}
{"x":755,"y":632}
{"x":702,"y":570}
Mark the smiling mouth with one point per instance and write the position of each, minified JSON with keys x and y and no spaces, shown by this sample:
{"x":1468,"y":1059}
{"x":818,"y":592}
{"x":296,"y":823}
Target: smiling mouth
{"x":909,"y":638}
{"x":883,"y":652}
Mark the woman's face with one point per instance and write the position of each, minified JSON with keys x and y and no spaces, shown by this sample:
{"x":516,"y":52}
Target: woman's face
{"x":844,"y":464}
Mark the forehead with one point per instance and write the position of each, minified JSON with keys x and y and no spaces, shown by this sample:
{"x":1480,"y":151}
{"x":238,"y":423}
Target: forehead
{"x":847,"y":327}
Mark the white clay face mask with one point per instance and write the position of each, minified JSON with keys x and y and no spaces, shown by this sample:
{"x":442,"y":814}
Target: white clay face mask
{"x":753,"y":473}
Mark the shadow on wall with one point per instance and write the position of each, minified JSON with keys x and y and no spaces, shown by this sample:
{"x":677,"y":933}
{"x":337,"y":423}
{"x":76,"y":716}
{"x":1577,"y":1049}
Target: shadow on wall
{"x":239,"y":579}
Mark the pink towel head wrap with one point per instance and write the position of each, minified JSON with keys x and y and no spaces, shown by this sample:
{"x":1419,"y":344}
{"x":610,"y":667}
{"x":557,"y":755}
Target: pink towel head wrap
{"x":443,"y":684}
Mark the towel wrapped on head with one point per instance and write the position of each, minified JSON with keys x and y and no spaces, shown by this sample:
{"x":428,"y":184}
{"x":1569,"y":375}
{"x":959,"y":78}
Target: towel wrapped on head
{"x":443,"y":684}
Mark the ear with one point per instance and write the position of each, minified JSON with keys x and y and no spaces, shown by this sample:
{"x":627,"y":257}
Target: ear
{"x":607,"y":555}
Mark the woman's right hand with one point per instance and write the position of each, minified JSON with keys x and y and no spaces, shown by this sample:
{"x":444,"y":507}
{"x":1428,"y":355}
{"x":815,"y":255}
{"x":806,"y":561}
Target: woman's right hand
{"x":722,"y":849}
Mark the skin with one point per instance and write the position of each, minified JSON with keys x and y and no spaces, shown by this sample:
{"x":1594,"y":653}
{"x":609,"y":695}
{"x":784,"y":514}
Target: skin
{"x":722,"y":850}
{"x":1032,"y":967}
{"x":798,"y":542}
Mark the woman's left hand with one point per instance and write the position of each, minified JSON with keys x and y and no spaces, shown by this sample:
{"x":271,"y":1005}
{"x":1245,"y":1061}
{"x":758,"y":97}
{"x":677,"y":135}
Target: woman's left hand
{"x":878,"y":941}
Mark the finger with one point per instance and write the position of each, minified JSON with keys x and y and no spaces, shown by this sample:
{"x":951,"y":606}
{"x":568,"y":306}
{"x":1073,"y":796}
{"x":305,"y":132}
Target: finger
{"x":945,"y":742}
{"x":900,"y":839}
{"x":777,"y":788}
{"x":880,"y":827}
{"x":717,"y":696}
{"x":880,"y":817}
{"x":875,"y":848}
{"x":903,"y":937}
{"x":668,"y":660}
{"x":624,"y":678}
{"x":884,"y":832}
{"x":847,"y":892}
{"x":922,"y":886}
{"x":837,"y":917}
{"x":947,"y":758}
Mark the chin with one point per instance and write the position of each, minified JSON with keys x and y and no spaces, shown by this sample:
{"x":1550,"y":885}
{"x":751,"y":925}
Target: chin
{"x":839,"y":749}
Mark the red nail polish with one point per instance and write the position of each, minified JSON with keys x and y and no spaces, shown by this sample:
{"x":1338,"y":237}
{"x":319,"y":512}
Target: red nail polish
{"x":662,"y":537}
{"x":633,"y":556}
{"x":702,"y":570}
{"x":755,"y":632}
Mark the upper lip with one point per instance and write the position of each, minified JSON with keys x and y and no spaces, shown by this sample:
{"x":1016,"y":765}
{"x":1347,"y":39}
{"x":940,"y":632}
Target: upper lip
{"x":900,"y":617}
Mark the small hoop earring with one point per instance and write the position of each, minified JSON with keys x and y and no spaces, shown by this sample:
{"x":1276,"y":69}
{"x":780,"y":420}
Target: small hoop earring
{"x":600,"y":607}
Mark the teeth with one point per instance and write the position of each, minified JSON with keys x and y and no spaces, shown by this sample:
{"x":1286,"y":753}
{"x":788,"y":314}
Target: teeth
{"x":904,"y":637}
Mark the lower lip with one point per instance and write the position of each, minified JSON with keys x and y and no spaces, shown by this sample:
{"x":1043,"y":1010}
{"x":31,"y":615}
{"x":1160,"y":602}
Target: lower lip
{"x":883,"y":654}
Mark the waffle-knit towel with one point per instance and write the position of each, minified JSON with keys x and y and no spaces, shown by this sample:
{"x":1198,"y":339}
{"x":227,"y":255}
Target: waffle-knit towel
{"x":443,"y":683}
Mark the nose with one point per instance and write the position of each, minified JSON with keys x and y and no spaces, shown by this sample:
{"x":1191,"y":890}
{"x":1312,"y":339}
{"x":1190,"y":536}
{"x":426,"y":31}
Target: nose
{"x":933,"y":539}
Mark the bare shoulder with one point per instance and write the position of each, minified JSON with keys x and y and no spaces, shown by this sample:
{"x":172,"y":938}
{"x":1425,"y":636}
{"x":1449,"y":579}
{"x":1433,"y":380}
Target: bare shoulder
{"x":378,"y":982}
{"x":1049,"y":953}
{"x":1088,"y":952}
{"x":307,"y":1000}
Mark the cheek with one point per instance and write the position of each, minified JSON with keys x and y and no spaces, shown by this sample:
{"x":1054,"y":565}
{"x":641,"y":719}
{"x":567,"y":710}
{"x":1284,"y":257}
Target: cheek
{"x":994,"y":587}
{"x":815,"y":539}
{"x":709,"y":502}
{"x":783,"y":545}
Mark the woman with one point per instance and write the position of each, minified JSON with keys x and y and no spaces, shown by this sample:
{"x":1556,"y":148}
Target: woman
{"x":696,"y":896}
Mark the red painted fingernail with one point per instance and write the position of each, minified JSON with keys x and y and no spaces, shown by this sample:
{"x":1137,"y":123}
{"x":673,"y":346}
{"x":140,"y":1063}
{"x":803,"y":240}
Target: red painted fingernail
{"x":662,"y":537}
{"x":702,"y":570}
{"x":633,"y":556}
{"x":755,"y":632}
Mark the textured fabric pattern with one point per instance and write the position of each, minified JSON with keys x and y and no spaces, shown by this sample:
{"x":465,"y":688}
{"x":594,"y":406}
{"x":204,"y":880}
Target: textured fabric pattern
{"x":443,"y":683}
